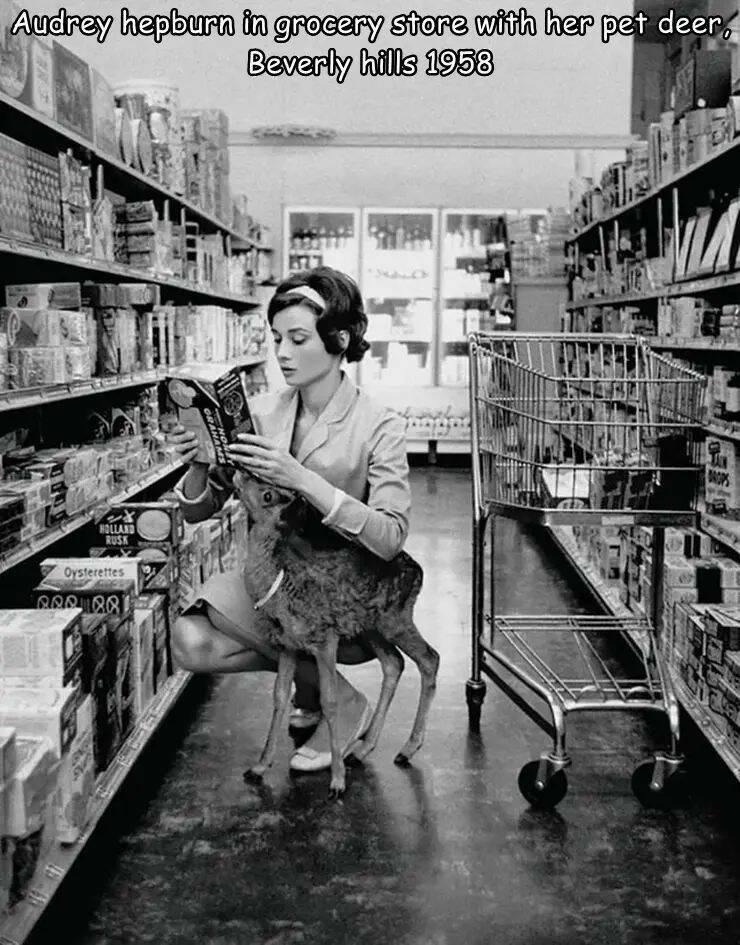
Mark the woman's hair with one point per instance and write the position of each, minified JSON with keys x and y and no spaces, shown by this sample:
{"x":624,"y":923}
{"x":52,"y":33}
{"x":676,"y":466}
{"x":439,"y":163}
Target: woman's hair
{"x":344,"y":308}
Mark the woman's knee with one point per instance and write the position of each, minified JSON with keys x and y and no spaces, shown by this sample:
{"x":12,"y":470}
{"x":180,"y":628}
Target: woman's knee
{"x":192,"y":643}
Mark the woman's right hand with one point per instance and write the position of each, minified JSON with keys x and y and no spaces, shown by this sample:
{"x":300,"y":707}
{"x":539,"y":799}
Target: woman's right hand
{"x":185,"y":443}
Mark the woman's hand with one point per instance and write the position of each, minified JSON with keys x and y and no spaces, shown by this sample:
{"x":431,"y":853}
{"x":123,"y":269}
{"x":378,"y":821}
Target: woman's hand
{"x":185,"y":443}
{"x":261,"y":457}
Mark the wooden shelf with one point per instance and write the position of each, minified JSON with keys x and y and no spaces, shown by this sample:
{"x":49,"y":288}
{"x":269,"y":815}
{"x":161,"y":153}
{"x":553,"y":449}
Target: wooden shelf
{"x":83,"y":266}
{"x":730,"y":149}
{"x":74,"y":523}
{"x":31,"y":127}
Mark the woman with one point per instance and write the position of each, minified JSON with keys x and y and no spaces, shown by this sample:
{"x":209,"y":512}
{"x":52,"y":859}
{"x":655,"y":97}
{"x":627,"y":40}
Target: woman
{"x":328,"y":441}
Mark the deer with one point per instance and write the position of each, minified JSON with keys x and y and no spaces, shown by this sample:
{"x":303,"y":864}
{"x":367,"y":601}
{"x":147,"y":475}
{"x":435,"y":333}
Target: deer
{"x":316,"y":588}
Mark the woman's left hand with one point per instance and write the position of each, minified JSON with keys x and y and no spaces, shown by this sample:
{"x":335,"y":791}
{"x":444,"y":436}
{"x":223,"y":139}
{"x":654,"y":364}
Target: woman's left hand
{"x":263,"y":458}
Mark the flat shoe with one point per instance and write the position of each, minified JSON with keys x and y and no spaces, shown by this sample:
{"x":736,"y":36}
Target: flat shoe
{"x":306,"y":759}
{"x":304,"y":718}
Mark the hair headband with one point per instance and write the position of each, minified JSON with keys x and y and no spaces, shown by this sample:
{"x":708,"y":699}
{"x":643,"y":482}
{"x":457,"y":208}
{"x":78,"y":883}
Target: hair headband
{"x":308,"y":293}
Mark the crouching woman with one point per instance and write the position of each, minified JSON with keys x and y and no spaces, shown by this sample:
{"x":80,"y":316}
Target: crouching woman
{"x":327,"y":441}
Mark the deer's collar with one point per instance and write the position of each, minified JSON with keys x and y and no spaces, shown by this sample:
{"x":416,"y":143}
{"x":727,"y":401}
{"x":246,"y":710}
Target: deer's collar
{"x":273,"y":590}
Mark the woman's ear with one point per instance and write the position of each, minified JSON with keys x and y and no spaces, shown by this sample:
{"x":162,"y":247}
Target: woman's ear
{"x":343,"y":338}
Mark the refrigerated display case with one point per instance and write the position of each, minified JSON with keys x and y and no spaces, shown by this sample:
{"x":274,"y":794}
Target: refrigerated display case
{"x":321,"y":236}
{"x":474,"y":286}
{"x":399,"y":280}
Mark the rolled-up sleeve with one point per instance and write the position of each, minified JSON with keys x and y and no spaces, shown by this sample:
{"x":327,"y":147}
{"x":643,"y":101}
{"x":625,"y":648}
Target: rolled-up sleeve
{"x":382,"y":523}
{"x":218,"y":489}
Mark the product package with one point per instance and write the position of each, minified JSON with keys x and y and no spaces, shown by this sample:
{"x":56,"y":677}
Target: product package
{"x":75,"y":782}
{"x":45,"y":713}
{"x":139,"y":524}
{"x":215,"y":408}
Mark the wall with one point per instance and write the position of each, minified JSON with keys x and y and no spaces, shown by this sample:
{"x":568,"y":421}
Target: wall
{"x":541,"y":85}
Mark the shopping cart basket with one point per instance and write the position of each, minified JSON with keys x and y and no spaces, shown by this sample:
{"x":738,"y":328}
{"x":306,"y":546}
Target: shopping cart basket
{"x":569,"y":429}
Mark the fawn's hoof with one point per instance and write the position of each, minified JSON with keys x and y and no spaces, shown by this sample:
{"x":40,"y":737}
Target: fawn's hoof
{"x":255,"y":774}
{"x":402,"y":760}
{"x":336,"y":788}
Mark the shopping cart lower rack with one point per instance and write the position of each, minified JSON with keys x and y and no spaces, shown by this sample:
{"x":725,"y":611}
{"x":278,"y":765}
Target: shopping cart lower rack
{"x":579,"y":430}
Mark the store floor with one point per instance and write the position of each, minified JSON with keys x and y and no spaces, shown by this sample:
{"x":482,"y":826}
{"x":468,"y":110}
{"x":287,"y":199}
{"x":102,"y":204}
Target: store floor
{"x":443,"y":853}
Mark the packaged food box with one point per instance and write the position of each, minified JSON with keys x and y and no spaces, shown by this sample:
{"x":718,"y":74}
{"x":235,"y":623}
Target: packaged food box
{"x":112,"y":599}
{"x":58,"y":295}
{"x":46,"y":713}
{"x":721,"y":475}
{"x":94,"y":649}
{"x":75,"y":782}
{"x":32,"y":326}
{"x":34,"y":643}
{"x":95,"y":569}
{"x":39,"y":90}
{"x":214,"y":408}
{"x":36,"y":367}
{"x":72,"y":92}
{"x":30,"y":786}
{"x":137,"y":524}
{"x":143,"y":659}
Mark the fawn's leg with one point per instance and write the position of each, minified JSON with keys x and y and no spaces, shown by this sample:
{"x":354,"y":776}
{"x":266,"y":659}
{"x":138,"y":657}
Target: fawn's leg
{"x":407,"y":638}
{"x":326,"y":660}
{"x":391,"y":663}
{"x":281,"y":697}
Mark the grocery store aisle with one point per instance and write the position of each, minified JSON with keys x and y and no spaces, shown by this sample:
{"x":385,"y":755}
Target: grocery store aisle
{"x":443,"y":853}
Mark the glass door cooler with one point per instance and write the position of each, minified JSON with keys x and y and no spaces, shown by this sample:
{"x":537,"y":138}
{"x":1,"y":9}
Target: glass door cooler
{"x":399,"y":284}
{"x":321,"y":236}
{"x":474,"y":285}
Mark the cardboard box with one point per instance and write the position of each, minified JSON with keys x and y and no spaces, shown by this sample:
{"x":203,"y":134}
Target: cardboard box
{"x":94,"y":569}
{"x":138,"y":524}
{"x":158,"y":564}
{"x":62,"y":295}
{"x":30,"y":786}
{"x":72,"y":92}
{"x":39,"y":89}
{"x":143,"y":659}
{"x":214,"y":408}
{"x":46,"y":713}
{"x":40,"y":643}
{"x":112,"y":599}
{"x":721,"y":480}
{"x":76,"y":779}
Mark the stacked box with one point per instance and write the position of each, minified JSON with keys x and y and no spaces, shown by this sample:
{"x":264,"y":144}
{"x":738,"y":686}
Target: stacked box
{"x":143,"y":659}
{"x":75,"y":781}
{"x":76,"y":204}
{"x":42,"y":649}
{"x":113,"y":600}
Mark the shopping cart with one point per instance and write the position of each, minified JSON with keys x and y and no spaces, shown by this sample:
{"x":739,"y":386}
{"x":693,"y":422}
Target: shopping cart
{"x":573,"y":430}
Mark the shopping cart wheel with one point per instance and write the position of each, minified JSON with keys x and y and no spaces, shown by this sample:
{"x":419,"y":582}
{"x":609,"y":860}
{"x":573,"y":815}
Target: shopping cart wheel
{"x":660,"y":790}
{"x":475,"y":693}
{"x":545,"y":794}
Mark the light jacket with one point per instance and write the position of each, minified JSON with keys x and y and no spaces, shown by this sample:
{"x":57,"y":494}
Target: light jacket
{"x":356,"y":444}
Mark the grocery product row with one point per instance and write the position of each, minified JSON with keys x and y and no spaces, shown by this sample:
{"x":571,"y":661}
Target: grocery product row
{"x":53,"y":201}
{"x":63,"y":333}
{"x":700,"y":616}
{"x":85,"y":657}
{"x":140,"y":127}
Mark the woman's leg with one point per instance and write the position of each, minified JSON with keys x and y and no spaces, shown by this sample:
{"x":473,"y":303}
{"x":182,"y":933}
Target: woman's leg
{"x":204,"y":641}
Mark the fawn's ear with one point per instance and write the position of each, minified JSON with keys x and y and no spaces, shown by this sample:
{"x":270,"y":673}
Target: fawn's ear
{"x":294,"y":516}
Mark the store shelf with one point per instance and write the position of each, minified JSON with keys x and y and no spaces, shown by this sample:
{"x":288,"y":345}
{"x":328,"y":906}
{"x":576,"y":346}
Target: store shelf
{"x":443,"y":445}
{"x":630,"y":298}
{"x":72,"y":262}
{"x":729,"y":149}
{"x":73,"y":524}
{"x":18,"y":925}
{"x":723,"y":530}
{"x":610,"y":602}
{"x":720,"y":345}
{"x":724,"y":431}
{"x":25,"y":124}
{"x":38,"y":397}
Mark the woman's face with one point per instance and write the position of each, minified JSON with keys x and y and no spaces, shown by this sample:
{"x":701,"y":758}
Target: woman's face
{"x":300,"y":351}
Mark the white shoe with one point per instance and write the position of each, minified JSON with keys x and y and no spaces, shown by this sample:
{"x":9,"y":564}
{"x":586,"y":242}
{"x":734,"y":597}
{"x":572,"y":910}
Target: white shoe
{"x":306,"y":759}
